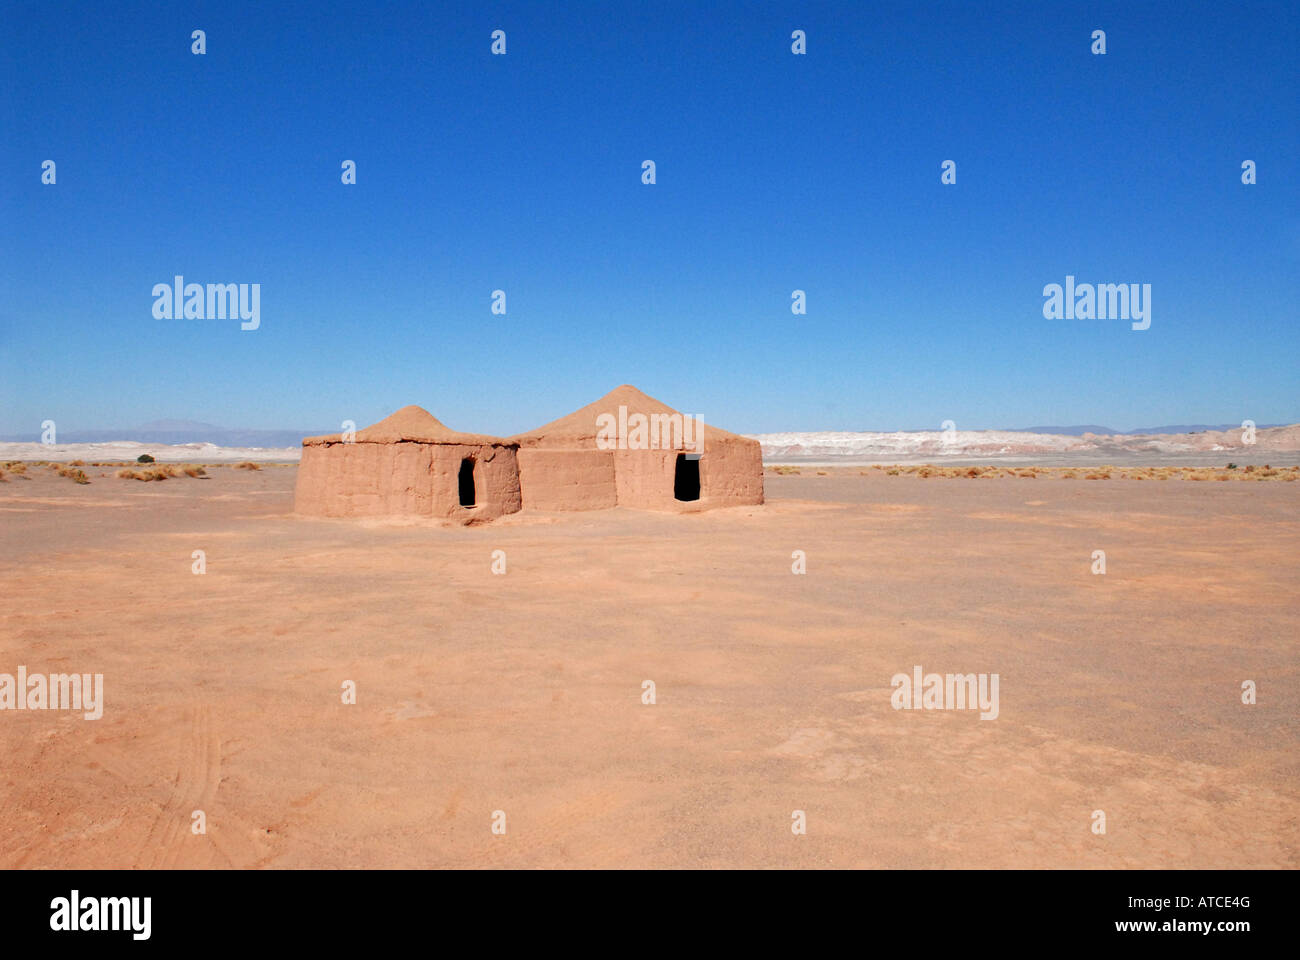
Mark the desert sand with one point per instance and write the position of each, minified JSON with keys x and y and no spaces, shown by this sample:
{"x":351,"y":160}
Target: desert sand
{"x":522,"y":692}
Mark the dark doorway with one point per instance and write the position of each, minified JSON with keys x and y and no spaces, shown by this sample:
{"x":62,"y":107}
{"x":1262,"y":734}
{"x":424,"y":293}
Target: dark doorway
{"x":686,"y":484}
{"x":467,"y":482}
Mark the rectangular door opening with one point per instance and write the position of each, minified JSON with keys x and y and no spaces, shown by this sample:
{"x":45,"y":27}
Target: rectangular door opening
{"x":466,"y":481}
{"x":686,"y":482}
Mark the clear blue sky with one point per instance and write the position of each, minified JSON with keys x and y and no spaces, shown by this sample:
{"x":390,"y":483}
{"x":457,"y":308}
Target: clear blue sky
{"x":775,"y":172}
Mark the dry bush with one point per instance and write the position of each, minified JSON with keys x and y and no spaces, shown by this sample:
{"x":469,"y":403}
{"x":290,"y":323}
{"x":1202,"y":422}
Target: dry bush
{"x":193,"y":471}
{"x":783,"y":471}
{"x":247,"y":465}
{"x":1223,"y":476}
{"x":153,"y":473}
{"x":892,"y":471}
{"x":77,"y":463}
{"x":926,"y":472}
{"x":822,"y":473}
{"x":1097,"y":476}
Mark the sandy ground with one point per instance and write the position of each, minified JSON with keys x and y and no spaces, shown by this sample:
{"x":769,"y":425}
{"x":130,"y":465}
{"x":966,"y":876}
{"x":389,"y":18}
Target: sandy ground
{"x":522,"y":692}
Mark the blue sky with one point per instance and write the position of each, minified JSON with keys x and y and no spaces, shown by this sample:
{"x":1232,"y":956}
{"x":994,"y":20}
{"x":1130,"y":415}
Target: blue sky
{"x":775,"y":172}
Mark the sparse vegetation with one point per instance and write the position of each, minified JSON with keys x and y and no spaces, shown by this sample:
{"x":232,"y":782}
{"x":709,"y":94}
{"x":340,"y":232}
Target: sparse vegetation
{"x":247,"y":465}
{"x":164,"y":471}
{"x":73,"y":473}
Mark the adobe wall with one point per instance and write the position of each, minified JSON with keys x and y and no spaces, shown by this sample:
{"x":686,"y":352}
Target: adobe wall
{"x":496,"y":481}
{"x":731,"y":474}
{"x":567,"y":479}
{"x":405,"y":479}
{"x":645,"y":479}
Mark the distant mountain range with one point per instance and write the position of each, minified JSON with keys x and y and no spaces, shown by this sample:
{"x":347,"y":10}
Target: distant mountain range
{"x":181,"y":431}
{"x":191,"y":431}
{"x":1078,"y":431}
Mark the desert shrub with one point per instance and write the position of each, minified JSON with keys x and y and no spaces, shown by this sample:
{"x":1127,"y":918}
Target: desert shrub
{"x":144,"y":458}
{"x":783,"y":471}
{"x":77,"y":463}
{"x":154,"y":473}
{"x":926,"y":472}
{"x":193,"y":471}
{"x":892,"y":471}
{"x":247,"y":465}
{"x":822,"y":473}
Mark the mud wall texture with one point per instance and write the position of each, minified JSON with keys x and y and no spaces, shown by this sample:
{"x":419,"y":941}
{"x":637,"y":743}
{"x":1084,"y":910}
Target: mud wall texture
{"x":405,"y":479}
{"x":567,"y":479}
{"x":731,"y":475}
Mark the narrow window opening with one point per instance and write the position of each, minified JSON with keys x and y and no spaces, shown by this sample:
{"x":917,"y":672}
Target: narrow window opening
{"x":686,"y":484}
{"x":467,"y":482}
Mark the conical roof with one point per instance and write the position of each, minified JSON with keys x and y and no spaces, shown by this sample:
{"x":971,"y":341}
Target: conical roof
{"x":579,"y":428}
{"x":413,"y":424}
